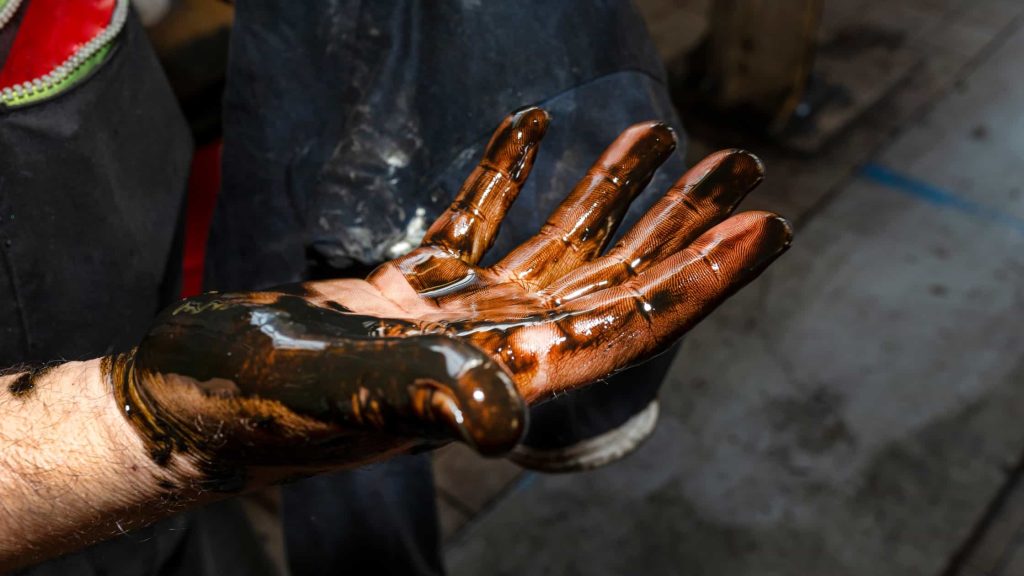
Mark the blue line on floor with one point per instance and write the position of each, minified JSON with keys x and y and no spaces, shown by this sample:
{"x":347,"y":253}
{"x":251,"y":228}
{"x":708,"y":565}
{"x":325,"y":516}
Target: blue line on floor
{"x":525,"y":481}
{"x":938,"y":196}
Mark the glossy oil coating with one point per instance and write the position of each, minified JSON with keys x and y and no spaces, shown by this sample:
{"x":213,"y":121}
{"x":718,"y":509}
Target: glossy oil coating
{"x":434,"y":347}
{"x":267,"y":379}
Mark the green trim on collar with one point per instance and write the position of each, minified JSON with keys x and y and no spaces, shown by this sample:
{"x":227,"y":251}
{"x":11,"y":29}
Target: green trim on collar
{"x":67,"y":83}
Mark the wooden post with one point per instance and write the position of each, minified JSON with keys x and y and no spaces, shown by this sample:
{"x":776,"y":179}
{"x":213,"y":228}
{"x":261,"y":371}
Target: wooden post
{"x":761,"y":54}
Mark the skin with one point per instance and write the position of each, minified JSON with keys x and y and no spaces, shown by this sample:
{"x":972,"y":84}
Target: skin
{"x":230,"y":392}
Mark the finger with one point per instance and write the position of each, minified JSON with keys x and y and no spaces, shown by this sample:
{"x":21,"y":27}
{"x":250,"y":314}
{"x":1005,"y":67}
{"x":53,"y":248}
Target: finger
{"x":649,"y":312}
{"x":597,"y":335}
{"x":423,"y":275}
{"x":469,"y":226}
{"x":582,"y":225}
{"x":703,"y":197}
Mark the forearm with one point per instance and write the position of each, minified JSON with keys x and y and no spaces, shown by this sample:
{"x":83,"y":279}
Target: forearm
{"x":73,"y":470}
{"x":229,"y":392}
{"x":92,"y":449}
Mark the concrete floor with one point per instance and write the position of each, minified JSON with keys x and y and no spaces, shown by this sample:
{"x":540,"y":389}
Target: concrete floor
{"x":858,"y":410}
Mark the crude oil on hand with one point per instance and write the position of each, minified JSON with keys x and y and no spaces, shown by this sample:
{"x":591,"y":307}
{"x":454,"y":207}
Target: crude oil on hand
{"x":432,"y":346}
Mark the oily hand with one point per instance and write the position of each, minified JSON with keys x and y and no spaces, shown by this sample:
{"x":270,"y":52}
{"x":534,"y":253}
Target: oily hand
{"x":432,"y":346}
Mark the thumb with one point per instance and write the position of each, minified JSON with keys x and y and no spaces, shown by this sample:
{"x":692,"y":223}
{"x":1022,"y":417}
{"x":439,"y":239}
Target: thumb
{"x":466,"y":393}
{"x":287,"y":356}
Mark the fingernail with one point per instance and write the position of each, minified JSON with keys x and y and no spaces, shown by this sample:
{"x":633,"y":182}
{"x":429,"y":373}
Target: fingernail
{"x":729,"y":181}
{"x":657,"y":140}
{"x":531,"y":117}
{"x":486,"y":412}
{"x":446,"y":409}
{"x":515,"y":143}
{"x":639,"y":151}
{"x":777,"y":236}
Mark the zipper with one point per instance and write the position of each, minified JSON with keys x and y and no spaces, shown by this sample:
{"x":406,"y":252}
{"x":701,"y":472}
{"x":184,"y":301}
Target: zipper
{"x":75,"y":67}
{"x":8,"y":8}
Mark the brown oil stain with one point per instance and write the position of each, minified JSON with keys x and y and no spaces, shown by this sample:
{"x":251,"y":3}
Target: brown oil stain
{"x":25,"y":384}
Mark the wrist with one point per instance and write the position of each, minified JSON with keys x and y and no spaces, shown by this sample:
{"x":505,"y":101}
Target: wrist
{"x":74,"y":469}
{"x":134,"y":428}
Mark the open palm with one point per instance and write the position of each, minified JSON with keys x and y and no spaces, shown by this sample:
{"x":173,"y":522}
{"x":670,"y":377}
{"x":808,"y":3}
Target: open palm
{"x":558,"y":312}
{"x":433,"y":345}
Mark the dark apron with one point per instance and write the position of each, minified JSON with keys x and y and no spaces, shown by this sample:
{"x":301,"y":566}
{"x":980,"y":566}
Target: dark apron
{"x":350,"y":125}
{"x":91,"y":188}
